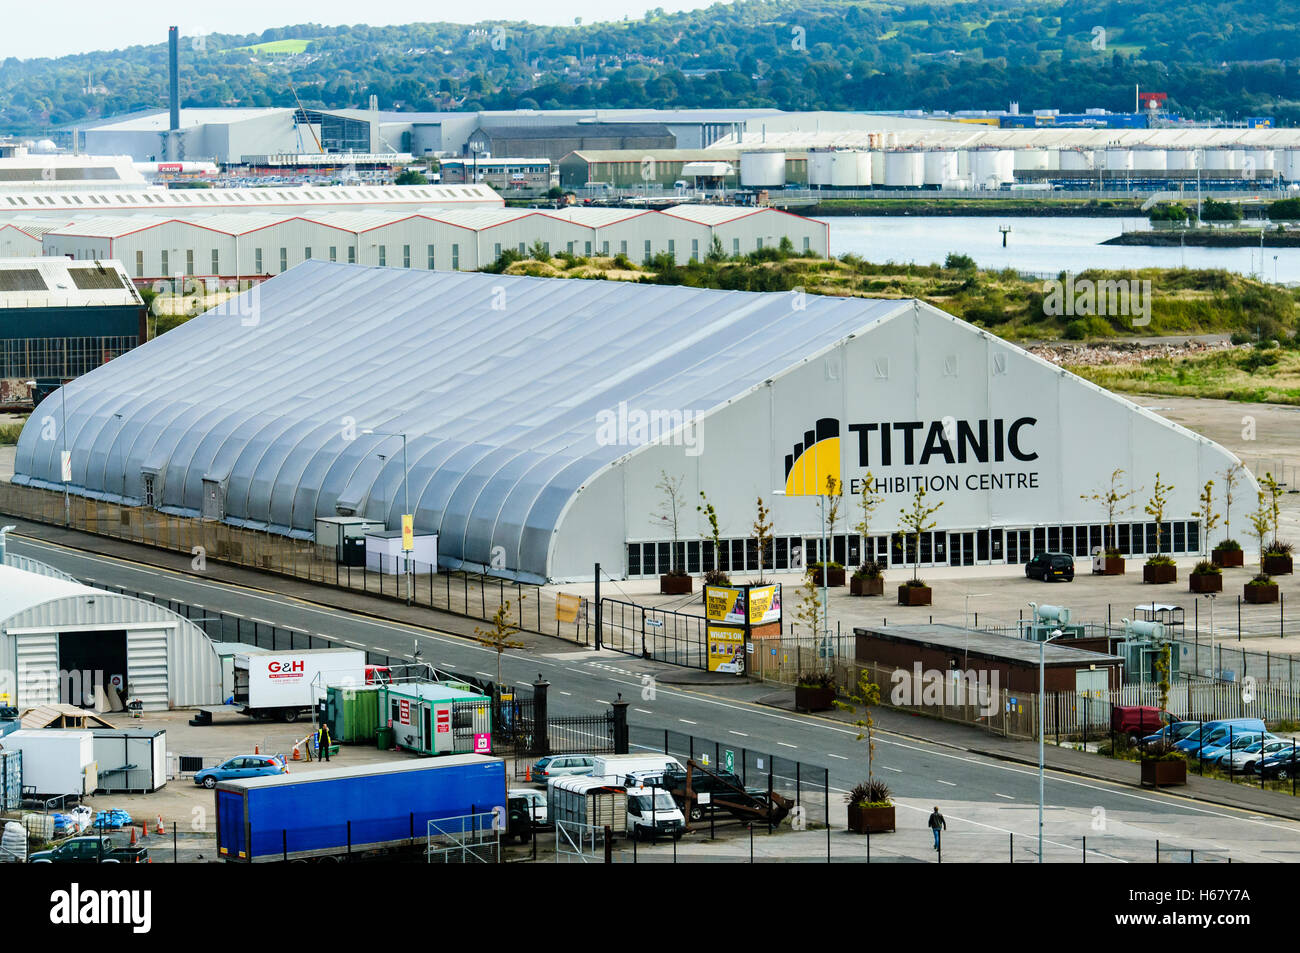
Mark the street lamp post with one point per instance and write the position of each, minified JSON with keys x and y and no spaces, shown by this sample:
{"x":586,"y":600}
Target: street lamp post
{"x":1042,"y":654}
{"x":1213,"y":671}
{"x":406,"y":511}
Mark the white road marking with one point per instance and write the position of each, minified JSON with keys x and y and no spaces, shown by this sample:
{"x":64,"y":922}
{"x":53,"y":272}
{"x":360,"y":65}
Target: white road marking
{"x":687,"y":721}
{"x":741,"y":733}
{"x":840,"y":756}
{"x":357,"y":644}
{"x":888,"y":768}
{"x":950,"y":784}
{"x":643,"y":711}
{"x":786,"y":744}
{"x":1007,"y":796}
{"x":566,"y":693}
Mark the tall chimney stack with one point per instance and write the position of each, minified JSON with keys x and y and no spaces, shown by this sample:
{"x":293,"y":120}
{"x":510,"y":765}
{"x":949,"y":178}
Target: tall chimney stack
{"x":173,"y":91}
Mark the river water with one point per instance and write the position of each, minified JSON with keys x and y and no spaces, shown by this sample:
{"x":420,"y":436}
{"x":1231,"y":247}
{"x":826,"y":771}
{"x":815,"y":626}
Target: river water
{"x":1045,"y":245}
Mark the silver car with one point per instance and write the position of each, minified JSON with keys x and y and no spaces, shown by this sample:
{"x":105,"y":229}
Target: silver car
{"x":1247,"y":758}
{"x":562,"y":765}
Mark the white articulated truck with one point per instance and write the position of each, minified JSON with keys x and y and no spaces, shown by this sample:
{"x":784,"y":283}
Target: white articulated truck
{"x":286,"y":684}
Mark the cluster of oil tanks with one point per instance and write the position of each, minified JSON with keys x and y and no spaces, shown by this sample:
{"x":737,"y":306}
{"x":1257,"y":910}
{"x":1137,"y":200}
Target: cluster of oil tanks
{"x":992,"y":168}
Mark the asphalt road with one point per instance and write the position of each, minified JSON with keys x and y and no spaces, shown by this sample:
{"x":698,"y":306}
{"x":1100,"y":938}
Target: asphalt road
{"x":986,"y":802}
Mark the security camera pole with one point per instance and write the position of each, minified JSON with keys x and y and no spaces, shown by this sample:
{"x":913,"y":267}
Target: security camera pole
{"x":408,"y":519}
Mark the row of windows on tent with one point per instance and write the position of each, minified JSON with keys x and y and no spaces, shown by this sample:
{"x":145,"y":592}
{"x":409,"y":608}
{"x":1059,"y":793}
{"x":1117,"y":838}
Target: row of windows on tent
{"x":259,"y":262}
{"x":950,"y":548}
{"x":63,"y":358}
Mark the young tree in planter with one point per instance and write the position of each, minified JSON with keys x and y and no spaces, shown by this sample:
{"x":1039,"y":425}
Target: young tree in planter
{"x":498,"y":638}
{"x":1155,"y":508}
{"x":866,"y":695}
{"x":917,"y":521}
{"x":715,"y":576}
{"x":868,"y":500}
{"x":1112,"y":500}
{"x":669,"y":514}
{"x":1206,"y":515}
{"x":1261,"y":521}
{"x":831,"y":501}
{"x":763,"y":536}
{"x":810,"y":609}
{"x":1274,"y":491}
{"x":1230,"y":478}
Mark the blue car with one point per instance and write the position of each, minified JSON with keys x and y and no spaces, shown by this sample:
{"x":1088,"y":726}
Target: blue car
{"x":1218,"y":731}
{"x":1172,"y":733}
{"x":244,"y":766}
{"x":1229,"y":744}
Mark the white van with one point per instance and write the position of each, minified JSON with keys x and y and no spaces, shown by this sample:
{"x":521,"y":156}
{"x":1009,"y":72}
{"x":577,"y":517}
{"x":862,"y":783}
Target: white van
{"x":653,"y":812}
{"x":633,"y":769}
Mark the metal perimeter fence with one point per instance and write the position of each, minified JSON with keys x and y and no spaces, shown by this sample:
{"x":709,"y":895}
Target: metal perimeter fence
{"x":462,"y":593}
{"x":806,"y":787}
{"x":1076,"y":716}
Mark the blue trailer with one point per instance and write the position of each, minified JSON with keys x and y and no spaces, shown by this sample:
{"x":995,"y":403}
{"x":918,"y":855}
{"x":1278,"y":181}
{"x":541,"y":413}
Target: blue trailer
{"x":351,"y":810}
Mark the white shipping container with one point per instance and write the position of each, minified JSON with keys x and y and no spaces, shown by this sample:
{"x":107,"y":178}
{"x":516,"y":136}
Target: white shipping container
{"x":55,"y":760}
{"x":131,"y":760}
{"x":295,"y":678}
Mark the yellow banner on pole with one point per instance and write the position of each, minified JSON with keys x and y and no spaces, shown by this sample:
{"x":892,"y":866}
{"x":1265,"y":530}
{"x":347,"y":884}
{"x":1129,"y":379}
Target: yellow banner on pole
{"x":566,"y":607}
{"x":408,"y":532}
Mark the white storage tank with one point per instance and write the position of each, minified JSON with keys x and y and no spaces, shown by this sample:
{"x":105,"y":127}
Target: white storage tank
{"x":990,"y":168}
{"x":1221,"y":160}
{"x":1180,"y":160}
{"x":904,"y":170}
{"x":1289,"y":165}
{"x":1264,"y":159}
{"x":1118,"y":160}
{"x":847,"y":168}
{"x":1156,"y":160}
{"x":1032,"y":160}
{"x":878,"y":169}
{"x":819,"y":169}
{"x":762,"y":170}
{"x":940,"y":167}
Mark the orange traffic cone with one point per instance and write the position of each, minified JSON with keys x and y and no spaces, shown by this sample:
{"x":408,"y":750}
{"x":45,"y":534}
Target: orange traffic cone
{"x":257,"y":749}
{"x":161,"y":829}
{"x":133,"y":836}
{"x":144,"y":831}
{"x":297,"y":756}
{"x":528,"y":772}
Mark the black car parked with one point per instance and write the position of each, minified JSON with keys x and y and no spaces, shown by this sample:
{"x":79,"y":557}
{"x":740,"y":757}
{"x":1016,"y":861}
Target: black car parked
{"x":1051,"y":566}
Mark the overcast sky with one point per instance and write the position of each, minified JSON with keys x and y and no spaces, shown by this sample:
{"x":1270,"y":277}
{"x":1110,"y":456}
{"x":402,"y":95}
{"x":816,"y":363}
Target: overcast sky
{"x":79,"y":26}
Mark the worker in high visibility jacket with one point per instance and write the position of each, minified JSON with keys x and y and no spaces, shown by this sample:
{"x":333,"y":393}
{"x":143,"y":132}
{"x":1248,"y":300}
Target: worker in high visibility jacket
{"x":323,"y":741}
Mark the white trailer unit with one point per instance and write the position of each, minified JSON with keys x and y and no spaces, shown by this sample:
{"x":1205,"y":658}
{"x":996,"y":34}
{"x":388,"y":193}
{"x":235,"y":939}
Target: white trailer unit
{"x":130,"y":760}
{"x":617,"y":767}
{"x":284,"y":684}
{"x":55,"y":760}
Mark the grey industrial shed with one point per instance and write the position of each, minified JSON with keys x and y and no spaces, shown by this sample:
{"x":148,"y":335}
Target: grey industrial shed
{"x":167,"y":660}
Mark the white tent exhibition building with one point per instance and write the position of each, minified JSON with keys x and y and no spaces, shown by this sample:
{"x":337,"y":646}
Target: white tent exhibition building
{"x":541,"y":417}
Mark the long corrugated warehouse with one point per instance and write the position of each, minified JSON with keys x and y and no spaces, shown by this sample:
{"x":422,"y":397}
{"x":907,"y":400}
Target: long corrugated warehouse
{"x":542,"y":415}
{"x":247,"y":245}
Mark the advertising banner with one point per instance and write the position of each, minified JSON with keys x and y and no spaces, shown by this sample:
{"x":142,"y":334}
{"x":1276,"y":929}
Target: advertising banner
{"x":726,"y":648}
{"x":764,"y":604}
{"x":724,"y":604}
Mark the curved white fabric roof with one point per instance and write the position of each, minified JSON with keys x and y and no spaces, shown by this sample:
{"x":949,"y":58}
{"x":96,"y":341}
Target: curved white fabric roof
{"x":497,"y":382}
{"x":21,"y":590}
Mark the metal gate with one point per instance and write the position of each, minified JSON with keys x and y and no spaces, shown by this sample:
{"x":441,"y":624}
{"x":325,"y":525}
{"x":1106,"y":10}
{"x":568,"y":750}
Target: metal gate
{"x":660,"y":634}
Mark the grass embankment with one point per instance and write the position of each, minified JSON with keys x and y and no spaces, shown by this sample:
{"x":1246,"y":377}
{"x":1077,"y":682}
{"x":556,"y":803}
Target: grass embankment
{"x":1182,"y":301}
{"x":1260,"y":375}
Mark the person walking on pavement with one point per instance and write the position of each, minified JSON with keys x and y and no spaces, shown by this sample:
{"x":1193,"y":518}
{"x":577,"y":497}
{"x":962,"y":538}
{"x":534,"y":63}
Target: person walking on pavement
{"x":937,"y":824}
{"x":323,"y":743}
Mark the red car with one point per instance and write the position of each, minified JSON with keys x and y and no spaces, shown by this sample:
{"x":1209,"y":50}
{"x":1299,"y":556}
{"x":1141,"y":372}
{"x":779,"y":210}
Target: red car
{"x":1138,"y":721}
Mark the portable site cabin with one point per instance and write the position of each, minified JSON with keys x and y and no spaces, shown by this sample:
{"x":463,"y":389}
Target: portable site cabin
{"x":352,"y":714}
{"x":56,"y":761}
{"x":131,"y":761}
{"x":429,"y":718}
{"x":11,"y":780}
